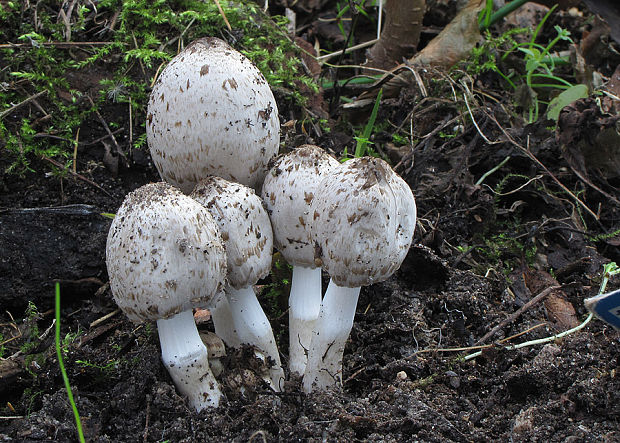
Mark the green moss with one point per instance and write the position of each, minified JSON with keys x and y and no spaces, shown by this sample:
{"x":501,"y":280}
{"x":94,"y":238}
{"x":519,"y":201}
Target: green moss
{"x":139,"y":36}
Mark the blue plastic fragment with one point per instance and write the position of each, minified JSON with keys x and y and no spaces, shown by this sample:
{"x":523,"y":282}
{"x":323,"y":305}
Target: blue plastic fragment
{"x":606,"y":307}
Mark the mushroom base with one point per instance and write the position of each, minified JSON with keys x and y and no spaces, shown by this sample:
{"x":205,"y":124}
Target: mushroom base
{"x":331,"y":330}
{"x":304,"y":306}
{"x":223,"y":322}
{"x":187,"y":360}
{"x":253,"y":328}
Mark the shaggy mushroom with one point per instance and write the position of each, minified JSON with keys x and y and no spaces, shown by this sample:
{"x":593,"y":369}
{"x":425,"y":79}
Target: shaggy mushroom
{"x":165,"y":257}
{"x":288,"y":192}
{"x":363,"y":226}
{"x":211,"y":112}
{"x":246,"y":231}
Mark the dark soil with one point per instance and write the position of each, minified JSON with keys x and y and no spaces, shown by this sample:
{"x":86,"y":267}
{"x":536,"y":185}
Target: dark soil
{"x":480,"y":252}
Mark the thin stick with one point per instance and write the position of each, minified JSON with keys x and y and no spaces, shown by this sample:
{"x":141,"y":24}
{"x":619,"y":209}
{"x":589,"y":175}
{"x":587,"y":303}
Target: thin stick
{"x":80,"y":176}
{"x":75,"y":147}
{"x":104,"y":318}
{"x":219,"y":8}
{"x":540,"y":340}
{"x":473,"y":118}
{"x":519,"y":334}
{"x":326,"y":57}
{"x":145,"y":434}
{"x":539,"y":163}
{"x":107,"y":129}
{"x":161,"y":65}
{"x":20,"y":104}
{"x":130,"y":126}
{"x":512,"y":317}
{"x":610,"y":269}
{"x":100,"y":139}
{"x":55,"y":44}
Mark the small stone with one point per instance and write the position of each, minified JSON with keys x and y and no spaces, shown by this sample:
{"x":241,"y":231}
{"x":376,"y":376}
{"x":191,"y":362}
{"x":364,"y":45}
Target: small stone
{"x":402,"y":375}
{"x":524,"y":421}
{"x":453,"y":379}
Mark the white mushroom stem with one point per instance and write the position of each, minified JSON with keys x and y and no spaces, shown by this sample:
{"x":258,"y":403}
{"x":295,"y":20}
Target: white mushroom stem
{"x":253,"y":328}
{"x":331,"y":331}
{"x":223,"y":322}
{"x":187,"y":360}
{"x":304,"y":306}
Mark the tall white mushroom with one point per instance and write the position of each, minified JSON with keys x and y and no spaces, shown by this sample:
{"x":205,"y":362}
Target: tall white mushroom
{"x":211,"y":112}
{"x":246,"y":231}
{"x":362,"y":223}
{"x":288,"y":192}
{"x":164,"y":257}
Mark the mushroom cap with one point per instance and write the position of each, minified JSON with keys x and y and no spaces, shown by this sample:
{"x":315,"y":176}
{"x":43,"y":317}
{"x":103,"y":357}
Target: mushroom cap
{"x":244,"y":226}
{"x":363,"y":222}
{"x":289,"y":189}
{"x":211,"y":112}
{"x":164,"y":254}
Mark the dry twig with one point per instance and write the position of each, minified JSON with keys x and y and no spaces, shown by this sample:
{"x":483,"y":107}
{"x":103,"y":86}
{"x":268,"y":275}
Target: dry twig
{"x":20,"y":104}
{"x":512,"y":317}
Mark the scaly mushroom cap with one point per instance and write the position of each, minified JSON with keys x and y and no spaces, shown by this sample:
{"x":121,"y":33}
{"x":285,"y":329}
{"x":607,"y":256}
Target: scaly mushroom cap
{"x":164,"y":254}
{"x":211,"y":112}
{"x":363,"y":222}
{"x":288,"y":192}
{"x":244,"y":226}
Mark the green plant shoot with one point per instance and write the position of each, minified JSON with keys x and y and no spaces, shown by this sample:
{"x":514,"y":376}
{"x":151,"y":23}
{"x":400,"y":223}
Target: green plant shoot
{"x":76,"y":414}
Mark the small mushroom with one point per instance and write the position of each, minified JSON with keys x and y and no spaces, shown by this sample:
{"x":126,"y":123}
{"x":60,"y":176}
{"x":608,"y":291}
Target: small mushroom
{"x":363,"y":226}
{"x":216,"y":349}
{"x":211,"y":112}
{"x":246,"y":231}
{"x":165,"y":257}
{"x":288,"y":192}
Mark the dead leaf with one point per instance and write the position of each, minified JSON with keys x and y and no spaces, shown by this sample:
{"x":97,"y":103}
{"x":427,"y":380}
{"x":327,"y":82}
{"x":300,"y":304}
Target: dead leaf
{"x":452,"y":44}
{"x":609,"y":10}
{"x":559,"y":310}
{"x":589,"y":140}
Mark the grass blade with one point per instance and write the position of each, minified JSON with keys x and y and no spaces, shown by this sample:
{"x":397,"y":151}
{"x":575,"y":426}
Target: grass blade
{"x":76,"y":414}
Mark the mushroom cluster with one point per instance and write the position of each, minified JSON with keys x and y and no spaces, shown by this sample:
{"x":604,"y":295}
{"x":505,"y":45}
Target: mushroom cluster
{"x":212,"y":128}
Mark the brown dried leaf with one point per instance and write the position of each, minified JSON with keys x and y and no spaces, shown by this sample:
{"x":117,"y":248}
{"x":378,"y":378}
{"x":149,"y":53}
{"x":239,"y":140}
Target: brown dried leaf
{"x":559,"y":310}
{"x":451,"y":45}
